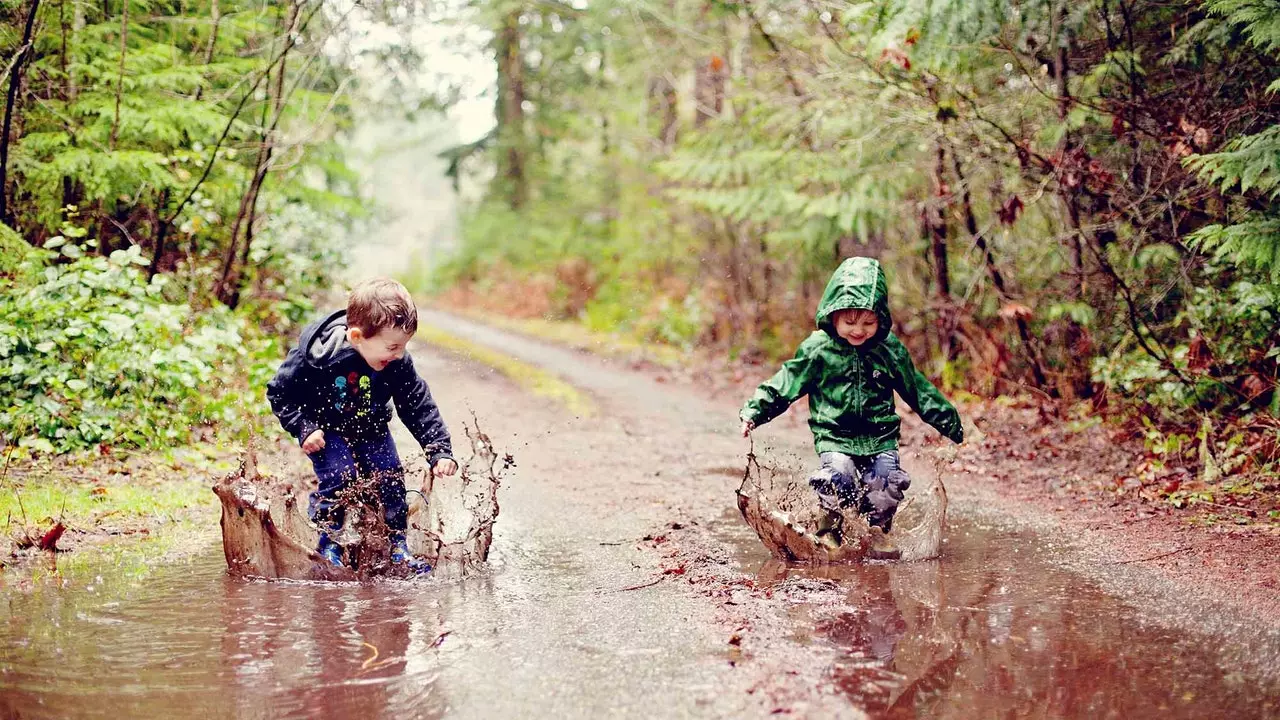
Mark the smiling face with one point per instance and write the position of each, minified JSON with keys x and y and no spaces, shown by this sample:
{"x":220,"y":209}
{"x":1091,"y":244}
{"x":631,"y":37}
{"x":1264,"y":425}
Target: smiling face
{"x":382,"y":349}
{"x":856,"y":326}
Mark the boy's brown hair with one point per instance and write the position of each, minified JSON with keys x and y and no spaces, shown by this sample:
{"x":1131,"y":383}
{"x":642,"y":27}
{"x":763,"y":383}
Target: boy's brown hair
{"x":380,"y":303}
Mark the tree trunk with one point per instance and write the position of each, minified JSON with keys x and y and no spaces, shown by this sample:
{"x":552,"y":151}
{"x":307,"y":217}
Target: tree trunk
{"x":510,"y":110}
{"x":1070,"y":195}
{"x":663,"y":104}
{"x":935,"y":222}
{"x":11,"y":100}
{"x":159,"y":230}
{"x":228,"y":287}
{"x":708,"y":89}
{"x":124,"y":48}
{"x":215,"y":15}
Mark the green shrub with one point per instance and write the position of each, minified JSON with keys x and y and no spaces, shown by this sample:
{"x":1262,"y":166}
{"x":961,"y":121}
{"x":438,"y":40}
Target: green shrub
{"x":91,"y":353}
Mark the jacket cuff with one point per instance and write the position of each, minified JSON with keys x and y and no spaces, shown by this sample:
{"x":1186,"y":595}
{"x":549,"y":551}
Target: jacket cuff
{"x":435,"y":456}
{"x":305,"y":428}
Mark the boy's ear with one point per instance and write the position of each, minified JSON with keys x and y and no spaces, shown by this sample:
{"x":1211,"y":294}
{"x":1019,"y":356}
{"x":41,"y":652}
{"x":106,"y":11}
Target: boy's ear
{"x":355,"y":335}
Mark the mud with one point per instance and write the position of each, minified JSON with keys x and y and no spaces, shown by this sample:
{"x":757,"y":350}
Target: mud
{"x":267,"y":535}
{"x":777,"y":503}
{"x":622,"y":581}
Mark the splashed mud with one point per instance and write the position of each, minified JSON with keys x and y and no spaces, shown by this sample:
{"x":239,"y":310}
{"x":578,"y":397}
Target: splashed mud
{"x":266,"y":532}
{"x":778,"y":504}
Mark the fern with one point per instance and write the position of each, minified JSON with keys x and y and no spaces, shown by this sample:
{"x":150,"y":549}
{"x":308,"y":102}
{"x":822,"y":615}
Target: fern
{"x":1254,"y":243}
{"x":1249,"y":163}
{"x":1260,"y":20}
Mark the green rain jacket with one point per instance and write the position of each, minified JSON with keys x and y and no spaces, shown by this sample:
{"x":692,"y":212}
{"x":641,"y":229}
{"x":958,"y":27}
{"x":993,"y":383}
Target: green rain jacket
{"x":851,"y":388}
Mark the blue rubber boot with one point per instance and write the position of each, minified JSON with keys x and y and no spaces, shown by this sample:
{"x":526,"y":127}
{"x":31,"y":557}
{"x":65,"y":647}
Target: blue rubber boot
{"x":400,"y":555}
{"x":330,"y":550}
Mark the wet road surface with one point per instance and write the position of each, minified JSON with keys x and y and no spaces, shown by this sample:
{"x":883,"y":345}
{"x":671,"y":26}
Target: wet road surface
{"x":569,"y":620}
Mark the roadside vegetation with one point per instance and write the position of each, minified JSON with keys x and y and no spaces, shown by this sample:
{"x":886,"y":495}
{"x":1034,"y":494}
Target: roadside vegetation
{"x":175,"y":187}
{"x":1076,"y":203}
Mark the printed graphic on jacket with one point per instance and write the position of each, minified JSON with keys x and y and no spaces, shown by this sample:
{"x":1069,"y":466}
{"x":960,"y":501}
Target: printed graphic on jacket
{"x":351,"y":395}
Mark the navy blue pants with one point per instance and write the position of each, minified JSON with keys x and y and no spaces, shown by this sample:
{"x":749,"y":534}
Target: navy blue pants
{"x":340,"y":462}
{"x":874,"y":484}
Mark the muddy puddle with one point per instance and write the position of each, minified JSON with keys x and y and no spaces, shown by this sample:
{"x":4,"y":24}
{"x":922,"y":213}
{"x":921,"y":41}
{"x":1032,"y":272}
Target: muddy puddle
{"x":995,"y":628}
{"x":992,"y":628}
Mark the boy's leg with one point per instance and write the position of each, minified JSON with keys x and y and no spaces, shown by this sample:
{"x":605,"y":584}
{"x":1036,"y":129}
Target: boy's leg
{"x":886,"y":483}
{"x":836,"y":481}
{"x":379,"y":459}
{"x":837,"y":488}
{"x":335,"y":467}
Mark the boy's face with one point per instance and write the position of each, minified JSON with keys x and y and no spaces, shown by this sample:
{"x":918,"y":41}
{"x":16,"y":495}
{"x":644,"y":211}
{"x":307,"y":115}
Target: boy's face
{"x":856,"y":326}
{"x":382,"y":349}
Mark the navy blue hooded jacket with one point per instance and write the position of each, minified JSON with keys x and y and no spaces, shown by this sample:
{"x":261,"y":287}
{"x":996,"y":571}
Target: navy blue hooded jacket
{"x":324,"y":384}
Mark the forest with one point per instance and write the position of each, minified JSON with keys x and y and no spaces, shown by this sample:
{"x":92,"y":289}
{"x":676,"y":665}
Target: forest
{"x":1075,"y":202}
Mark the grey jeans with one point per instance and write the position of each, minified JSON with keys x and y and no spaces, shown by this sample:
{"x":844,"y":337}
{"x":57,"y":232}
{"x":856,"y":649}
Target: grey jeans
{"x":874,"y":484}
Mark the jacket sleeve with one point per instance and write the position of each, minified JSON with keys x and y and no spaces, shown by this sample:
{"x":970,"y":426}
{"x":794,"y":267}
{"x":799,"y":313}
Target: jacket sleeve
{"x":282,"y":393}
{"x":924,"y":398}
{"x":792,"y":382}
{"x":418,"y":412}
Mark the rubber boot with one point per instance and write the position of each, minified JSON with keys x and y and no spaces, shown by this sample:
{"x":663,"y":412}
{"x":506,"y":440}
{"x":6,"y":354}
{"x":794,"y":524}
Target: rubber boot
{"x":330,"y":550}
{"x":881,"y":546}
{"x":400,"y":555}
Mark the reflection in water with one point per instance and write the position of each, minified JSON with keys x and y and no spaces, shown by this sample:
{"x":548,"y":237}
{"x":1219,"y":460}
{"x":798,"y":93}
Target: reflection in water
{"x":193,"y":640}
{"x":991,"y":630}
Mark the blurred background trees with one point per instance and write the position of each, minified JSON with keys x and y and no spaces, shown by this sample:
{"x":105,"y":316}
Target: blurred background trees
{"x":175,"y":189}
{"x":1073,"y":199}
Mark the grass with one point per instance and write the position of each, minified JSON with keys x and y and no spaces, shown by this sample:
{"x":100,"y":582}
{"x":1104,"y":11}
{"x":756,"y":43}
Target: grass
{"x":81,"y":506}
{"x":142,"y":505}
{"x":529,"y":377}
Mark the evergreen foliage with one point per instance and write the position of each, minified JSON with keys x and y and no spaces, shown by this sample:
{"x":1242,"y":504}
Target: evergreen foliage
{"x":1080,"y":197}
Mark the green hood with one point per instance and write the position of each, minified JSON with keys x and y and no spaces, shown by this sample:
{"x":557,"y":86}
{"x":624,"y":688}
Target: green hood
{"x":858,"y":284}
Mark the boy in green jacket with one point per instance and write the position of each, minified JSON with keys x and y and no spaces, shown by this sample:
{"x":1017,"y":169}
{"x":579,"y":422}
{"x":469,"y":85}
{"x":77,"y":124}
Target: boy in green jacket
{"x":850,"y":368}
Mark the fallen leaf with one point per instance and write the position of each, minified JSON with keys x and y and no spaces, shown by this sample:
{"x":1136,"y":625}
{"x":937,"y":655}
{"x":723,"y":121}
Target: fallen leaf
{"x":1199,"y":357}
{"x":1010,"y":210}
{"x":50,"y":539}
{"x":1014,"y":310}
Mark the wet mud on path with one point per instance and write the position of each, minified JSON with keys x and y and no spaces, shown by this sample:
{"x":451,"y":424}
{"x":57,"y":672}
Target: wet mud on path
{"x":623,"y":583}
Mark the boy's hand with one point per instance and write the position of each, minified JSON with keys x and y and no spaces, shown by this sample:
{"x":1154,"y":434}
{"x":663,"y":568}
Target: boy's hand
{"x":445,"y":466}
{"x":314,"y":442}
{"x":747,"y":427}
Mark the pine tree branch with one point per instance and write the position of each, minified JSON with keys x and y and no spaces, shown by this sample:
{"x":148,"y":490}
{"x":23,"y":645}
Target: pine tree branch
{"x":244,"y":99}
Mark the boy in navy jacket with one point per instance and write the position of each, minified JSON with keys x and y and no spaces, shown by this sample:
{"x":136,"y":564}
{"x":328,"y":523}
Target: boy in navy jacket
{"x":333,"y":393}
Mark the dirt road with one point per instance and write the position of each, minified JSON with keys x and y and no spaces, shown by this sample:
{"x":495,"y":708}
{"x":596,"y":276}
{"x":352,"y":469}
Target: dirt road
{"x":623,"y":584}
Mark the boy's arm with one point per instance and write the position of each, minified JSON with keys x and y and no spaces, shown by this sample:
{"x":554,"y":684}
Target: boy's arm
{"x":776,"y":394}
{"x":419,"y":413}
{"x":924,"y":398}
{"x":281,"y":393}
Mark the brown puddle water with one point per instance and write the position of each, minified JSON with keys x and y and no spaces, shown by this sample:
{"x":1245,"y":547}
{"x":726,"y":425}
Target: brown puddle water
{"x":190,"y":641}
{"x":995,"y":628}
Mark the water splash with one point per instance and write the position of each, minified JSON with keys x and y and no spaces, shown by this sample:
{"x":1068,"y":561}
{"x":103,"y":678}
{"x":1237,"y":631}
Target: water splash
{"x":778,"y":504}
{"x":266,"y":533}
